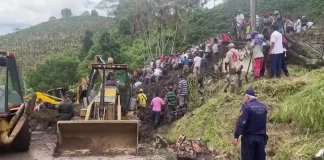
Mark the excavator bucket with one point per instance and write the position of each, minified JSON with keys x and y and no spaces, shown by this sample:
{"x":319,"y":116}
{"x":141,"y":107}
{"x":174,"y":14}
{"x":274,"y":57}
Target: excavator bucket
{"x":97,"y":137}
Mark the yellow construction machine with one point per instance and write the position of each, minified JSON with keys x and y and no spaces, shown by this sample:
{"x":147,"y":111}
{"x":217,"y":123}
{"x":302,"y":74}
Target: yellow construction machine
{"x":81,"y":91}
{"x":14,"y":112}
{"x":102,"y":129}
{"x":49,"y":100}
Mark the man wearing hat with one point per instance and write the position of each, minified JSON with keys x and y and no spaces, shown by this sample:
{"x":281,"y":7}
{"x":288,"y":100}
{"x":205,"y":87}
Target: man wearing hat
{"x":233,"y":67}
{"x":251,"y":125}
{"x":258,"y":57}
{"x":268,"y":21}
{"x":141,"y":101}
{"x":278,"y":21}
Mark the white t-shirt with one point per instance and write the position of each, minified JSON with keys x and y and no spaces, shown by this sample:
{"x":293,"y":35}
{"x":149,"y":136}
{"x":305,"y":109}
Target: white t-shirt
{"x":276,"y":37}
{"x":309,"y":24}
{"x":157,"y":72}
{"x":151,"y":64}
{"x":157,"y":63}
{"x":240,"y":19}
{"x":137,"y":84}
{"x":215,"y":48}
{"x":197,"y":61}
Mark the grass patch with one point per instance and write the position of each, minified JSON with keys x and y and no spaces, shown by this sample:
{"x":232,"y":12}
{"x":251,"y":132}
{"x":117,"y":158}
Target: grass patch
{"x":214,"y":121}
{"x":305,"y":108}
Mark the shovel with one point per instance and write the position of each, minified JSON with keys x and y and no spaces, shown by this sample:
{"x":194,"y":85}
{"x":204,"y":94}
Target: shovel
{"x":227,"y":85}
{"x":247,"y":72}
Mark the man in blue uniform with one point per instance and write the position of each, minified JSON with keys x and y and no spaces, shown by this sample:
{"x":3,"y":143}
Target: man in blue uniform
{"x":252,"y":126}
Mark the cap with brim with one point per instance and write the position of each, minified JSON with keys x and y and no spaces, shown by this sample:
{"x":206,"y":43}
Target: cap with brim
{"x":250,"y":92}
{"x":276,"y":12}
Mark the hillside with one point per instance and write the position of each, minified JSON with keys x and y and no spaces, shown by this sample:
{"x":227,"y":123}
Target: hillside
{"x":294,"y":118}
{"x":63,"y":35}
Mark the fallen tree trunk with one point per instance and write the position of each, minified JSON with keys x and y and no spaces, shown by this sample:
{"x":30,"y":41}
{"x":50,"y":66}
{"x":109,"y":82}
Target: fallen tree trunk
{"x":299,"y":59}
{"x":304,"y":53}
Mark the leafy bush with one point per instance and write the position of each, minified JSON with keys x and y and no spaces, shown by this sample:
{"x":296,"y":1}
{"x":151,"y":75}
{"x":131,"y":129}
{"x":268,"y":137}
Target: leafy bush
{"x":57,"y":71}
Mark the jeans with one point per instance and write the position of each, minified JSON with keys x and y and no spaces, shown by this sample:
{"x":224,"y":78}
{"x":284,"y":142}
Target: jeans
{"x":284,"y":64}
{"x":276,"y":65}
{"x":156,"y":117}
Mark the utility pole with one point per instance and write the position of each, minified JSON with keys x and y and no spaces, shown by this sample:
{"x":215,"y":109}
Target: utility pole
{"x":252,"y":15}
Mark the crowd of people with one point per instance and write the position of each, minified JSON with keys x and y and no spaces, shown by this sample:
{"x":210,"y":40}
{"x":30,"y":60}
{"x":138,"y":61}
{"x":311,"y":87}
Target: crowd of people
{"x":263,"y":23}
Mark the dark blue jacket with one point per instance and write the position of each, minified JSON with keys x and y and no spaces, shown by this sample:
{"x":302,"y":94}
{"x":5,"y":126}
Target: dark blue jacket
{"x":252,"y":120}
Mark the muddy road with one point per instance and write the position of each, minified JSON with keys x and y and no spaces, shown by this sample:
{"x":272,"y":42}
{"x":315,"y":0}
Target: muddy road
{"x":43,"y":145}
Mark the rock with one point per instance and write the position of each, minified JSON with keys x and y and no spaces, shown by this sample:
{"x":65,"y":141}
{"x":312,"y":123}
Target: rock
{"x":76,"y":118}
{"x":221,"y":156}
{"x":50,"y":129}
{"x":161,"y":141}
{"x":39,"y":128}
{"x":34,"y":139}
{"x":196,"y":147}
{"x":37,"y":132}
{"x":83,"y":151}
{"x":50,"y":146}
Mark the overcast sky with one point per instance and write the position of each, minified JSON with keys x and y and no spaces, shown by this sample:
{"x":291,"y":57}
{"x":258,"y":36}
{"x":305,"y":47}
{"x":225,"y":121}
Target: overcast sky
{"x":24,"y":13}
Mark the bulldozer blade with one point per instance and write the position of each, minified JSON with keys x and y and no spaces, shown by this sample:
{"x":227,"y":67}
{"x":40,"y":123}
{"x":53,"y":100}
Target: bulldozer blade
{"x":97,"y":137}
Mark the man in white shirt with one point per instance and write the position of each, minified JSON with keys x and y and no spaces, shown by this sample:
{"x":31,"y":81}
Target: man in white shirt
{"x":197,"y":64}
{"x":157,"y":63}
{"x":157,"y":73}
{"x":152,"y":64}
{"x":239,"y":18}
{"x":276,"y":51}
{"x":215,"y":49}
{"x":240,"y":24}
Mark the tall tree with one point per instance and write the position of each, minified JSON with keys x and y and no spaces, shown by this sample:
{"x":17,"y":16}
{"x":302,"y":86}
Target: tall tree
{"x":109,"y":47}
{"x":87,"y":43}
{"x":52,"y":18}
{"x":66,"y":13}
{"x":85,"y":13}
{"x":107,"y":5}
{"x":94,"y":13}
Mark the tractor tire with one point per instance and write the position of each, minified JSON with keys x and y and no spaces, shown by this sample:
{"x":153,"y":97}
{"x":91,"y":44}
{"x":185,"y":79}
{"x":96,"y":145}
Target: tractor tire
{"x":22,"y":141}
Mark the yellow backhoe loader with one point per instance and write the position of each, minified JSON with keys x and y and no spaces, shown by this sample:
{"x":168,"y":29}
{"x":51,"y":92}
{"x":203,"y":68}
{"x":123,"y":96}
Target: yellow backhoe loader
{"x":102,"y":129}
{"x":49,"y":101}
{"x":14,"y":112}
{"x":81,"y":91}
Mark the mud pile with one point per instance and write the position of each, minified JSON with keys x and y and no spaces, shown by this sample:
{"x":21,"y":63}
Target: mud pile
{"x":44,"y":120}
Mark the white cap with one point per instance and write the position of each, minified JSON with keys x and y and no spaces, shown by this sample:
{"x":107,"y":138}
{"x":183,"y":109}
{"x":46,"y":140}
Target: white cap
{"x":276,"y":12}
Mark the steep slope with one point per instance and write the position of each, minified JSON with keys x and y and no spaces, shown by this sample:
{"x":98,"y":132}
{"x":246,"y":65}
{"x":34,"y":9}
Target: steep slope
{"x":294,"y":119}
{"x":36,"y":43}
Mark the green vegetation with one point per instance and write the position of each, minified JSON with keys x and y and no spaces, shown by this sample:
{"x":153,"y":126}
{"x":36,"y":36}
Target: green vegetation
{"x":293,"y":102}
{"x":57,"y":71}
{"x":33,"y":45}
{"x":308,"y":109}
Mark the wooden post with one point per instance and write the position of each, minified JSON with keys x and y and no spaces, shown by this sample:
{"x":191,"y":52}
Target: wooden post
{"x":252,"y":15}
